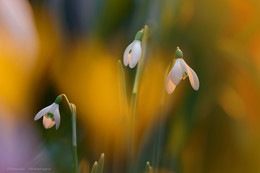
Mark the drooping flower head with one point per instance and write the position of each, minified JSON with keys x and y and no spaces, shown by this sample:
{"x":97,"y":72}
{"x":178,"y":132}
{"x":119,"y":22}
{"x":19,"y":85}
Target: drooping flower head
{"x":179,"y":71}
{"x":50,"y":114}
{"x":133,"y":52}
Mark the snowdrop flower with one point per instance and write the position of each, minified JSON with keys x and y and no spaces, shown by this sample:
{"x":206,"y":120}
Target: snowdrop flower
{"x":179,"y":71}
{"x":133,"y":52}
{"x":50,"y":114}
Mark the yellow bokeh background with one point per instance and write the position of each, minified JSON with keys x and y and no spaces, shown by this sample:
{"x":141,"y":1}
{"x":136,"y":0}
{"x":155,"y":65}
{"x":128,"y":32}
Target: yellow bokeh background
{"x":76,"y":52}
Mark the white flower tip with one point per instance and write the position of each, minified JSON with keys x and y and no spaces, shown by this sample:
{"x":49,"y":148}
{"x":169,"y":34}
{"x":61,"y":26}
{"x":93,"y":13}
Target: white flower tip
{"x":35,"y":118}
{"x":196,"y":86}
{"x":131,"y":65}
{"x":170,"y":88}
{"x":57,"y":126}
{"x":169,"y":85}
{"x":125,"y":61}
{"x":194,"y":80}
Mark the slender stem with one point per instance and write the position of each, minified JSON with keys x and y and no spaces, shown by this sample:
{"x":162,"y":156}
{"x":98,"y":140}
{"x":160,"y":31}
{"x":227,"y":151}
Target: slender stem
{"x":133,"y":106}
{"x":122,"y":91}
{"x":74,"y":139}
{"x":67,"y":101}
{"x":74,"y":132}
{"x":141,"y":61}
{"x":134,"y":96}
{"x":124,"y":108}
{"x":94,"y":167}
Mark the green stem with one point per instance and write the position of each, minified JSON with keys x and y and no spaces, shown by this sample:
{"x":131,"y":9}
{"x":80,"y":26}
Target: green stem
{"x":67,"y":101}
{"x":94,"y":167}
{"x":134,"y":95}
{"x":74,"y":139}
{"x":122,"y":91}
{"x":124,"y":108}
{"x":141,"y":61}
{"x":133,"y":106}
{"x":74,"y":132}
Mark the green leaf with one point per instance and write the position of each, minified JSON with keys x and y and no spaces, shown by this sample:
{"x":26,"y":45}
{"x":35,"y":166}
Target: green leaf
{"x":148,"y":168}
{"x":94,"y":167}
{"x":100,"y":166}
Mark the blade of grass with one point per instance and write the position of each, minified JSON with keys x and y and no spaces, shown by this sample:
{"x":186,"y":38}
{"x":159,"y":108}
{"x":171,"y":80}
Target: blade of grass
{"x":100,"y":166}
{"x":134,"y":96}
{"x":94,"y":167}
{"x":148,"y":168}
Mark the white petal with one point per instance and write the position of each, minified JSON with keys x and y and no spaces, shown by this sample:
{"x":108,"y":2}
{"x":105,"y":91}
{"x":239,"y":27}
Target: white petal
{"x":42,"y":112}
{"x":57,"y":118}
{"x":183,"y":66}
{"x":170,"y":86}
{"x":194,"y":80}
{"x":47,"y":122}
{"x":126,"y":53}
{"x":136,"y":53}
{"x":176,"y":72}
{"x":53,"y":108}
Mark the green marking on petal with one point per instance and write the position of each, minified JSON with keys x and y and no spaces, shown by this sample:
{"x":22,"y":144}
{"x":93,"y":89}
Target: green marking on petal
{"x":50,"y":115}
{"x":184,"y":75}
{"x":130,"y":51}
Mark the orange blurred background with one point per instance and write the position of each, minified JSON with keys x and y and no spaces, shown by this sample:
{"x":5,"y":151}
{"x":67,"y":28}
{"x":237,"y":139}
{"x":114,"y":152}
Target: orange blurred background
{"x":73,"y":47}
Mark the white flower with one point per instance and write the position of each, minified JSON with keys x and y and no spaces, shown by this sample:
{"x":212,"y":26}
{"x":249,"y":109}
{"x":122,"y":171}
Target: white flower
{"x":51,"y":116}
{"x":133,"y":52}
{"x":179,"y":71}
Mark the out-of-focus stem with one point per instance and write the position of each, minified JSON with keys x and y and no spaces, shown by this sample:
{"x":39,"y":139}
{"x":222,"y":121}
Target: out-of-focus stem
{"x":124,"y":107}
{"x":141,"y":61}
{"x":122,"y":90}
{"x":148,"y":168}
{"x":158,"y":141}
{"x":134,"y":95}
{"x":74,"y":132}
{"x":101,"y":161}
{"x":94,"y":167}
{"x":161,"y":122}
{"x":74,"y":139}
